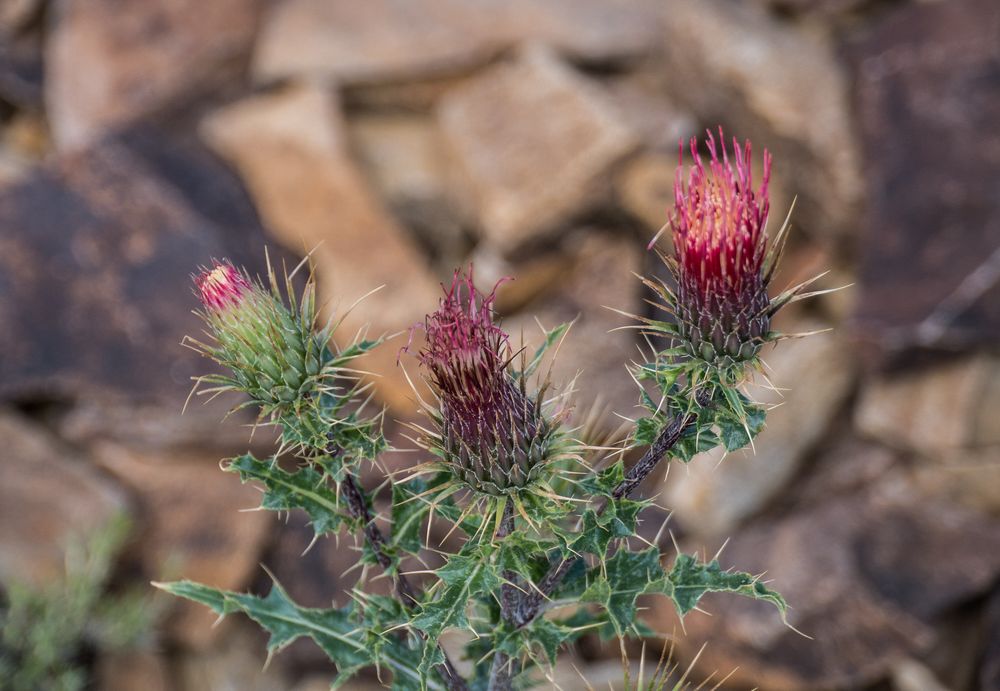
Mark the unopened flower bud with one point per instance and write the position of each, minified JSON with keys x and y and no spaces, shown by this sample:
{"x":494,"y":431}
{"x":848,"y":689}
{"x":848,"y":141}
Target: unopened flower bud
{"x":271,"y":350}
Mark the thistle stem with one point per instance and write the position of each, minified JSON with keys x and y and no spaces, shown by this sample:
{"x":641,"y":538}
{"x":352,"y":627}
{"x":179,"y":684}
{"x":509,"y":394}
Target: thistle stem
{"x":504,"y":667}
{"x":405,"y":591}
{"x":530,"y":604}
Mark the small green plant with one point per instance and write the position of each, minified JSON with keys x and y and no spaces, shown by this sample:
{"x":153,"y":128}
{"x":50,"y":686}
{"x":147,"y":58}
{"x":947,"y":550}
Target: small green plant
{"x":48,"y":632}
{"x":542,"y":528}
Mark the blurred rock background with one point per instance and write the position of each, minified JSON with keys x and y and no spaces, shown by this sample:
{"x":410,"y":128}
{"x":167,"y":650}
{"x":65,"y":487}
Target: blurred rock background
{"x":398,"y":139}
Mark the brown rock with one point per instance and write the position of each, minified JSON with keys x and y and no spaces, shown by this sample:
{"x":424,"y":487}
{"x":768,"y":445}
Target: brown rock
{"x":863,"y":575}
{"x":15,"y":14}
{"x":21,"y":69}
{"x":821,"y":8}
{"x":969,"y":478}
{"x":593,"y":353}
{"x":236,"y":662}
{"x":518,"y":284}
{"x":927,"y":74}
{"x":368,"y":42}
{"x":203,"y":425}
{"x":96,"y":258}
{"x":128,"y":671}
{"x":403,"y":157}
{"x":989,"y":672}
{"x":645,"y":107}
{"x":910,"y":675}
{"x":932,"y":411}
{"x":847,"y":467}
{"x":196,"y":523}
{"x":12,"y":168}
{"x":532,"y":140}
{"x":926,"y":557}
{"x":27,"y":136}
{"x":48,"y":497}
{"x":290,"y":149}
{"x":813,"y":377}
{"x":401,"y":96}
{"x":644,"y":187}
{"x":731,"y":63}
{"x":387,"y":40}
{"x":108,"y":63}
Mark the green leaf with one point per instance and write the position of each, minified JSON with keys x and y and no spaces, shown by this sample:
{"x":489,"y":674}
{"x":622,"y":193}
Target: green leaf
{"x":629,"y":575}
{"x":343,"y":357}
{"x":619,"y":581}
{"x":408,"y":515}
{"x":689,"y":579}
{"x":697,"y":439}
{"x":524,"y":554}
{"x":621,"y":516}
{"x":543,"y":634}
{"x":464,"y":577}
{"x":336,"y":631}
{"x":604,"y":482}
{"x":304,"y":489}
{"x":331,"y":629}
{"x":574,"y":583}
{"x":618,"y":520}
{"x":646,"y":430}
{"x":599,"y":591}
{"x":738,"y":428}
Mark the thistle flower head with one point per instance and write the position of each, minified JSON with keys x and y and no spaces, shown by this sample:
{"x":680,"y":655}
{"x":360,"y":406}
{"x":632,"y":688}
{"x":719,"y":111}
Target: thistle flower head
{"x":721,"y":257}
{"x":492,"y":435}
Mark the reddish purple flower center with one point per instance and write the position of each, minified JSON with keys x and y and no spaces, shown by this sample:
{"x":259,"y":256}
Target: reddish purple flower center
{"x":718,"y":226}
{"x":465,"y":349}
{"x":222,"y":286}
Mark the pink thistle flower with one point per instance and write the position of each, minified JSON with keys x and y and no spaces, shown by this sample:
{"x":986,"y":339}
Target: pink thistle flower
{"x":721,"y":249}
{"x":492,"y":434}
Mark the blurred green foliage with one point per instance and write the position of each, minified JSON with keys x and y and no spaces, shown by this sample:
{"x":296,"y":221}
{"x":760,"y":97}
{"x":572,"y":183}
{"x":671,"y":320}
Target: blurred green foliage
{"x":49,"y":633}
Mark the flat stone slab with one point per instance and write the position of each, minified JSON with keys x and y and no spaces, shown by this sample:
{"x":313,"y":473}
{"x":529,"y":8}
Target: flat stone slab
{"x":531,"y":140}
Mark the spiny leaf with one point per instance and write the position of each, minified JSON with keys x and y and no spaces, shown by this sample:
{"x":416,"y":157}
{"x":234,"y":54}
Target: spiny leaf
{"x":593,"y":537}
{"x":618,"y":520}
{"x":336,"y":631}
{"x":408,"y":515}
{"x":331,"y":629}
{"x":646,"y":430}
{"x":623,"y":578}
{"x":541,"y":633}
{"x":464,"y":577}
{"x":738,"y":428}
{"x":524,"y":554}
{"x":689,"y":579}
{"x":604,"y":482}
{"x":304,"y":489}
{"x":630,"y":574}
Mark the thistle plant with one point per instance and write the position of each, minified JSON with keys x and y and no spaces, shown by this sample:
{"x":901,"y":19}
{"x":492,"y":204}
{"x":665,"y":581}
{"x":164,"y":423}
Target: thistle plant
{"x":546,"y":526}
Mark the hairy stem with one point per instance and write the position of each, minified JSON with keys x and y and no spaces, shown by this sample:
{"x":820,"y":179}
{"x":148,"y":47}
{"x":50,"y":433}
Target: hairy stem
{"x":504,"y":668}
{"x":405,"y":591}
{"x":530,"y":603}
